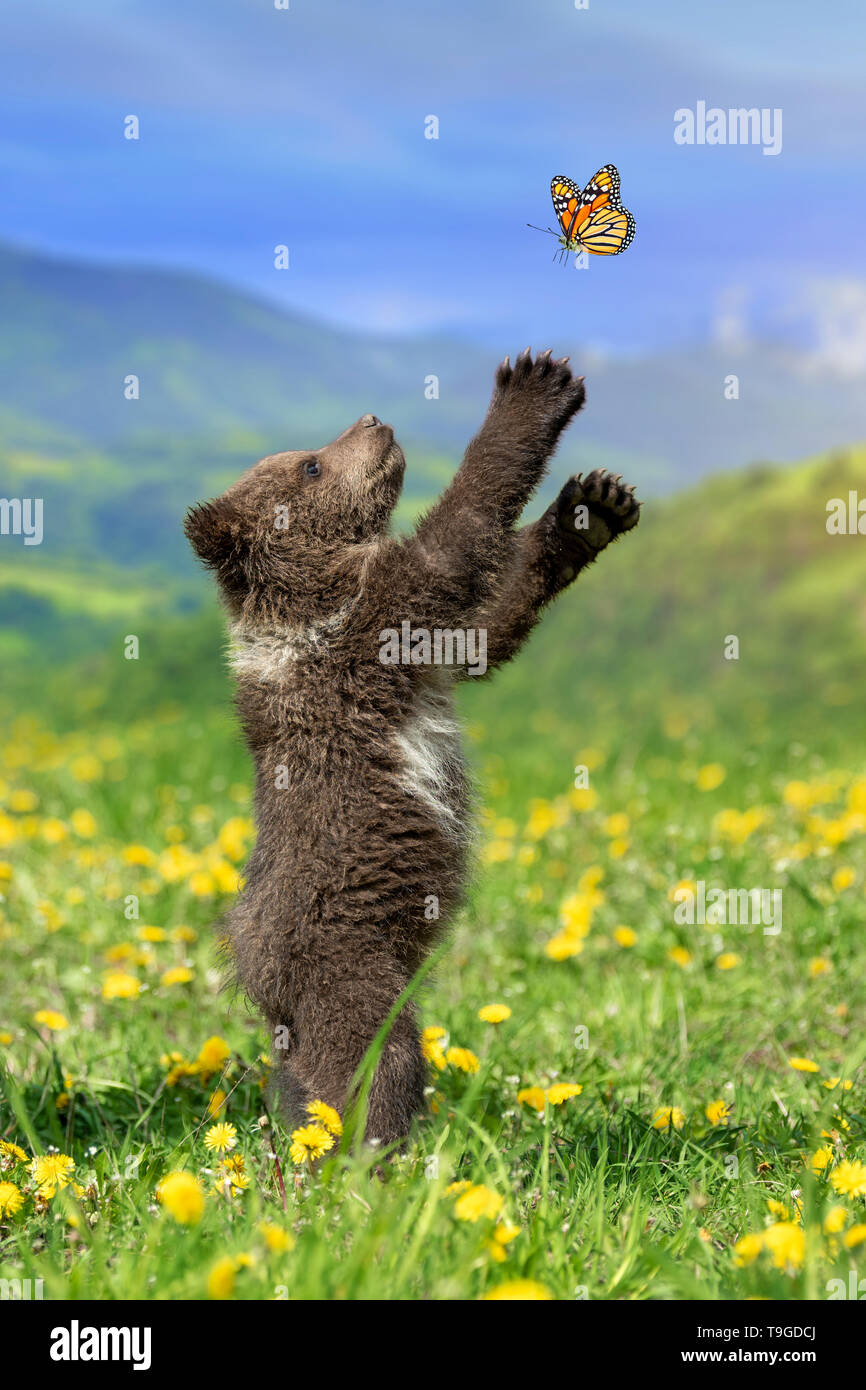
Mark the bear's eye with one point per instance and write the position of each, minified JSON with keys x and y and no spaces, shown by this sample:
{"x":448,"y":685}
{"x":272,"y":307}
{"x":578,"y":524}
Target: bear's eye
{"x":312,"y":468}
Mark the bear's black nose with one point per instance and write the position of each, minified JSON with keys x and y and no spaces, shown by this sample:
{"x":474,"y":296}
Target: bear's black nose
{"x":370,"y":420}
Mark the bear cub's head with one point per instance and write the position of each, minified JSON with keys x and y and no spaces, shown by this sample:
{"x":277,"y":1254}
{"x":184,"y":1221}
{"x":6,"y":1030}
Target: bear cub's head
{"x":287,"y":541}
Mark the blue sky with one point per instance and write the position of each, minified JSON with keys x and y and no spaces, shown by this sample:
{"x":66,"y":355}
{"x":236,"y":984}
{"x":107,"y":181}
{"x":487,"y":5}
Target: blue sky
{"x":306,"y":127}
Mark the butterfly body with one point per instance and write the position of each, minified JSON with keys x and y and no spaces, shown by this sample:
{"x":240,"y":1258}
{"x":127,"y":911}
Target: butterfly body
{"x":593,"y":218}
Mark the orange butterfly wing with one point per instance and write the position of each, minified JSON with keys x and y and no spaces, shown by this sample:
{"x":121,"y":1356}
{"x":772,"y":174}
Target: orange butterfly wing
{"x":593,"y":217}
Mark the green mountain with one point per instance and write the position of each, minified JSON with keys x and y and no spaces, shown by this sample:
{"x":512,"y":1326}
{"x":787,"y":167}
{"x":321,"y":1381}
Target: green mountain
{"x":640,"y":637}
{"x":224,"y":377}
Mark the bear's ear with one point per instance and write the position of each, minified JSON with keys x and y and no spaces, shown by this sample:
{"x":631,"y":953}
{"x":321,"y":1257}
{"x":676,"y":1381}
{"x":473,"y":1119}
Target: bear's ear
{"x":215,"y":532}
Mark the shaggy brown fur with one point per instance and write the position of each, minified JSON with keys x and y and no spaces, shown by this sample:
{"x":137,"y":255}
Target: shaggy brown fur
{"x":362,"y":800}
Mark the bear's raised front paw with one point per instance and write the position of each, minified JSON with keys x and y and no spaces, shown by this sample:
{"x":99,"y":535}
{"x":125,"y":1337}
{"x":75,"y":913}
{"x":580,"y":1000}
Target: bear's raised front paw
{"x":597,"y":508}
{"x":544,"y":390}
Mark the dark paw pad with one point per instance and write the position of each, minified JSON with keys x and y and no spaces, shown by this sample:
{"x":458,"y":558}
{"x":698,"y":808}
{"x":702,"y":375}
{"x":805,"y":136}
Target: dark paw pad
{"x":598,"y":507}
{"x":544,"y":390}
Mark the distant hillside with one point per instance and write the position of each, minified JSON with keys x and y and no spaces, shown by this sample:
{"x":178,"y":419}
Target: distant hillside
{"x":638,"y":639}
{"x":221,"y":372}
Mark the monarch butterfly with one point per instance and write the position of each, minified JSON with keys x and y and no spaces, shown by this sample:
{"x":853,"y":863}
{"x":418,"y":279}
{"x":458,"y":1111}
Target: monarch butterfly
{"x":591,"y":219}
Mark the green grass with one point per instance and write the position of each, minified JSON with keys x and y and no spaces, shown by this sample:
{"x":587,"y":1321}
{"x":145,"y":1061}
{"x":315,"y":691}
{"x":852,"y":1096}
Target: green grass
{"x":626,"y":678}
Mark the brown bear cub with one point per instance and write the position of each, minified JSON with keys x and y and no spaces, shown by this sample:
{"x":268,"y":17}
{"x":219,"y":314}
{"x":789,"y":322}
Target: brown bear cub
{"x":362,"y":800}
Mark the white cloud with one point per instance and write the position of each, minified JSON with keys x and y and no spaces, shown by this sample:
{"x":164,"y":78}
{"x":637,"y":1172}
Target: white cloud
{"x":730,"y":324}
{"x":836,"y":310}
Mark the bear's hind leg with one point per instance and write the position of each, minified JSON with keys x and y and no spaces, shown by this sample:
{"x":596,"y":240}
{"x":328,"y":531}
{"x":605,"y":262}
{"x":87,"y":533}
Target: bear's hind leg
{"x":293,"y":1094}
{"x":339,"y":1012}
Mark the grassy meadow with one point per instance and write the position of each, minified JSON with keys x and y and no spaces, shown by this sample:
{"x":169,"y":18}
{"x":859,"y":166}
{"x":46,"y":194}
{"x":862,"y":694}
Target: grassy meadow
{"x":649,"y":1109}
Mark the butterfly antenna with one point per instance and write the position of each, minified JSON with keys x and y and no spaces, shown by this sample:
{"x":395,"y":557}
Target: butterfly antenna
{"x":549,"y":230}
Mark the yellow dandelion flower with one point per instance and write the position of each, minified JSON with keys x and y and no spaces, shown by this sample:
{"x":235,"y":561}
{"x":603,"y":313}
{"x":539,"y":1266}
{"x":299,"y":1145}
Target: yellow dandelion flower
{"x":821,"y":1158}
{"x":497,"y":852}
{"x":835,"y":1220}
{"x":51,"y":919}
{"x":23,"y":800}
{"x":685,"y":888}
{"x":849,"y":1178}
{"x":234,"y":1164}
{"x":432,"y":1051}
{"x":463,"y":1060}
{"x":454,"y":1188}
{"x":575,"y":913}
{"x":11,"y":1199}
{"x":86,"y":768}
{"x":506,"y":1232}
{"x":542,"y":819}
{"x":231,"y":1179}
{"x":213,"y":1055}
{"x":786,"y":1243}
{"x":803,"y":1064}
{"x":710,"y":776}
{"x":735,"y":826}
{"x":138,"y":855}
{"x":310,"y":1142}
{"x":519,"y":1291}
{"x":118,"y":984}
{"x":52,"y":1020}
{"x":747,"y":1249}
{"x":564,"y":945}
{"x":625,"y":936}
{"x":51,"y":1171}
{"x":275,"y":1237}
{"x":842,"y":879}
{"x":216,"y":1103}
{"x":221,"y":1279}
{"x":151,"y":934}
{"x":494,"y":1013}
{"x":680,"y":956}
{"x":833,"y":1081}
{"x":589,"y":883}
{"x":533,"y":1096}
{"x":326,"y":1115}
{"x":476,"y":1202}
{"x":562,"y":1091}
{"x":83,"y":822}
{"x":182,"y":1196}
{"x":221,"y":1137}
{"x":668,"y":1117}
{"x":728,"y":960}
{"x":855,"y":1236}
{"x":226,"y":876}
{"x":11,"y":1150}
{"x":177,"y":975}
{"x":184,"y":934}
{"x":718,"y":1112}
{"x":797,"y":795}
{"x":234,"y":837}
{"x":618,"y":848}
{"x":819,"y":965}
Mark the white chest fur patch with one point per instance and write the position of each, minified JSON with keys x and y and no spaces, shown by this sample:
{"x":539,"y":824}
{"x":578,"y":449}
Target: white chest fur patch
{"x":266,"y":654}
{"x":432,"y":767}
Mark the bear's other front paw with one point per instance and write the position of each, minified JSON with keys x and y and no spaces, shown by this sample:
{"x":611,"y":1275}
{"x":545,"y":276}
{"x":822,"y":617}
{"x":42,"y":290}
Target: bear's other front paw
{"x":543,"y":390}
{"x":597,"y":508}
